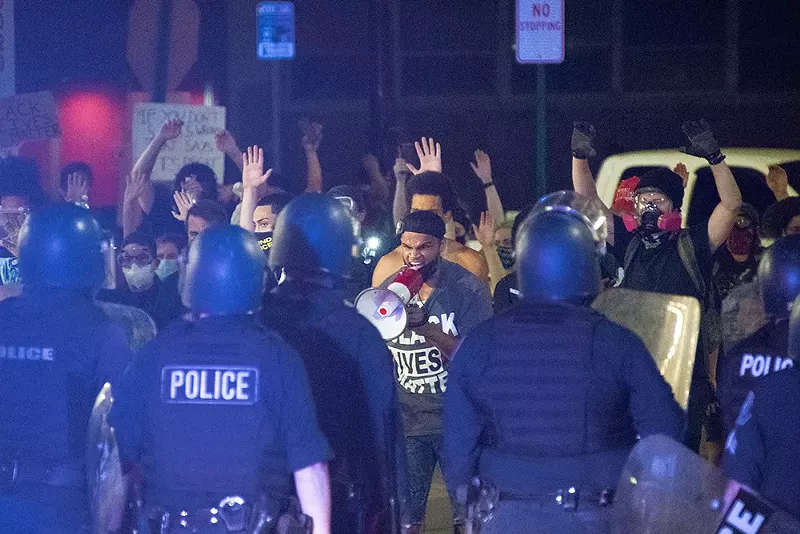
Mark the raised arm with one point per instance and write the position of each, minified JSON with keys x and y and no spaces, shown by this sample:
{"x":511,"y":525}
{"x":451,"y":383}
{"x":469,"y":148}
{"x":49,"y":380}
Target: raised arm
{"x":483,"y":169}
{"x":147,"y":160}
{"x":379,"y":190}
{"x":583,"y":135}
{"x":778,"y":182}
{"x":312,"y":137}
{"x":704,"y":145}
{"x":227,"y":144}
{"x":137,"y":201}
{"x":253,"y":176}
{"x":400,"y":205}
{"x":485,"y":234}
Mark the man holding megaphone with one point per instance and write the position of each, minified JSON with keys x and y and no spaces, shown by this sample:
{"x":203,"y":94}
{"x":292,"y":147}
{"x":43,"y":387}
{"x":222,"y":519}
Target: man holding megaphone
{"x":428,"y":306}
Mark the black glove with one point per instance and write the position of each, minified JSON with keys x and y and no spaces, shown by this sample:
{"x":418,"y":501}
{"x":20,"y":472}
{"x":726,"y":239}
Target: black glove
{"x":703,"y":144}
{"x":582,"y":136}
{"x":417,"y":316}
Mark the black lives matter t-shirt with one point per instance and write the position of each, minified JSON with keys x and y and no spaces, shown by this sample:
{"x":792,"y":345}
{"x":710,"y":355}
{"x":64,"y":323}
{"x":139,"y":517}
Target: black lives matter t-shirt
{"x":458,"y":304}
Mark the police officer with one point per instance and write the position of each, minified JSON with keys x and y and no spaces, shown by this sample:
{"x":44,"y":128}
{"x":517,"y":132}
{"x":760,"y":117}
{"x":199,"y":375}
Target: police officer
{"x":763,"y":452}
{"x":57,"y":349}
{"x":217,"y":409}
{"x":544,"y":402}
{"x":348,"y":364}
{"x":765,"y":351}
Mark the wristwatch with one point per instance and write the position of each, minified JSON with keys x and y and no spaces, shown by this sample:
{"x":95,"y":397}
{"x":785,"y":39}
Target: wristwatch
{"x":487,"y":185}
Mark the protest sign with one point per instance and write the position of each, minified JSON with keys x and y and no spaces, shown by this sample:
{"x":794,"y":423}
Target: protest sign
{"x":194,"y":145}
{"x":26,"y":117}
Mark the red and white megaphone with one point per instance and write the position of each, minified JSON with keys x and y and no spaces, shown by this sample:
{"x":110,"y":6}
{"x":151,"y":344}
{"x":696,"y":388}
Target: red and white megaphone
{"x":385,"y":308}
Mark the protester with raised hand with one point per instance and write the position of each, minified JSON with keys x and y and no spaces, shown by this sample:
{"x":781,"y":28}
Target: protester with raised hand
{"x":430,"y":159}
{"x":75,"y":180}
{"x":312,"y":137}
{"x":226,"y":143}
{"x":483,"y":170}
{"x":253,"y":177}
{"x":137,"y":201}
{"x":486,"y":234}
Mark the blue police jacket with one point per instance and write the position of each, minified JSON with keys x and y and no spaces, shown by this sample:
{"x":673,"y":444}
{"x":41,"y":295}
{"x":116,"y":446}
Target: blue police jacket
{"x":216,"y":407}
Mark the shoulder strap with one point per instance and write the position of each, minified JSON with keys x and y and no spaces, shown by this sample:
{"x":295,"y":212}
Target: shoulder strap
{"x":630,"y":252}
{"x":689,"y":259}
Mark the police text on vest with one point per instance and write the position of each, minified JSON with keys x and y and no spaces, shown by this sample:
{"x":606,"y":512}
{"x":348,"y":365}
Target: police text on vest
{"x":760,"y":365}
{"x":209,"y":384}
{"x":45,"y":354}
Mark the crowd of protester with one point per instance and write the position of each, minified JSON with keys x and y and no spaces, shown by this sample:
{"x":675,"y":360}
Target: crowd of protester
{"x":715,"y":261}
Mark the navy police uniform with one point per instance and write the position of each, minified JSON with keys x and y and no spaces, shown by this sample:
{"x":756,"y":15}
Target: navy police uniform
{"x":749,"y":361}
{"x":763,"y":452}
{"x":217,"y":410}
{"x":348,"y":364}
{"x":57,"y":349}
{"x":545,"y":401}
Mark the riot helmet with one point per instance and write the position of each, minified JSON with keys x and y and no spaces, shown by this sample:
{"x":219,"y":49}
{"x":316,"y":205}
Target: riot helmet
{"x":61,"y":246}
{"x":313,"y":235}
{"x":559,"y":246}
{"x":225,"y":272}
{"x":779,"y":276}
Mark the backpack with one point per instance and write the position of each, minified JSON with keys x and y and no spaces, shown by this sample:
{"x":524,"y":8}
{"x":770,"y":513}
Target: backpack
{"x":710,"y":319}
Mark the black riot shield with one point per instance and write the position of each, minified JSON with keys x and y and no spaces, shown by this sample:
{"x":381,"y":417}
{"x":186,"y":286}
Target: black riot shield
{"x":103,"y":469}
{"x":665,"y":487}
{"x":139,"y":327}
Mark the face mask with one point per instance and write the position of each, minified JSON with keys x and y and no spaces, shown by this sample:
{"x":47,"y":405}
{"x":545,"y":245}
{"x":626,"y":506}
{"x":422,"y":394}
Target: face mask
{"x":264,"y":241}
{"x":506,"y":256}
{"x":652,"y":221}
{"x":740,"y":242}
{"x":166,"y":268}
{"x":139,"y":278}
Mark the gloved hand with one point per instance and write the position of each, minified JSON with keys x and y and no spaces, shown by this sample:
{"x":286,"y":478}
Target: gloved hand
{"x":703,"y":144}
{"x":583,"y":134}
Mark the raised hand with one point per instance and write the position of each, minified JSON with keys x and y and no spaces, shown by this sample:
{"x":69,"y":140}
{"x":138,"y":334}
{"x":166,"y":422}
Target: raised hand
{"x":253,"y":174}
{"x":191,"y":186}
{"x":225,"y":142}
{"x":371,"y":165}
{"x":702,"y":142}
{"x":680,"y":170}
{"x":136,"y":185}
{"x":184,"y":203}
{"x":583,"y":134}
{"x":312,"y":135}
{"x":77,"y":188}
{"x":485,"y":230}
{"x":430,"y":156}
{"x":482,"y":166}
{"x":170,"y":129}
{"x":778,"y":182}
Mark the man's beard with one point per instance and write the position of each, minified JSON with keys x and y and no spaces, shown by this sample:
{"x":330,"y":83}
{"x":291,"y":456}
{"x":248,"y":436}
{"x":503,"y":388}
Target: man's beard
{"x":428,"y":271}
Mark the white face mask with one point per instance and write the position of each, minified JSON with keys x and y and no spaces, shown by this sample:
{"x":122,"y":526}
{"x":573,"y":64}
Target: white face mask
{"x":167,"y":268}
{"x":139,"y":278}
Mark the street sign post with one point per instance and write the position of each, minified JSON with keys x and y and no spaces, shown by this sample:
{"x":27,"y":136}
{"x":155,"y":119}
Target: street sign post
{"x":275,"y":25}
{"x":540,"y":31}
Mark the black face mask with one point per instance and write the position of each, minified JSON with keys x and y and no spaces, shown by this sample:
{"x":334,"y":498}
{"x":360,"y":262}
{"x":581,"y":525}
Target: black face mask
{"x":264,"y":241}
{"x":649,"y":218}
{"x":506,"y":256}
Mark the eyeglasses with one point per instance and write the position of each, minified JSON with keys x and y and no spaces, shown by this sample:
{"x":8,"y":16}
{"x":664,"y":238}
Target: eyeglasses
{"x":127,"y":260}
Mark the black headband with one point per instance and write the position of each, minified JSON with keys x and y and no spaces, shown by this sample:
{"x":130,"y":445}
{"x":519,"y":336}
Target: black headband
{"x":422,"y":222}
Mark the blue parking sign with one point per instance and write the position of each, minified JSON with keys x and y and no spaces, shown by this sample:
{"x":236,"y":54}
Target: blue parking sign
{"x":275,"y":26}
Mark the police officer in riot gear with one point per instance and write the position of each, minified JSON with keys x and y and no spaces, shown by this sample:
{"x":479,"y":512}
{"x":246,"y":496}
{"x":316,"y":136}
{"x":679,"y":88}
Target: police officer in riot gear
{"x":348,"y":364}
{"x":765,"y":351}
{"x":217,"y":409}
{"x":545,"y":401}
{"x":57,"y":349}
{"x":763,"y":451}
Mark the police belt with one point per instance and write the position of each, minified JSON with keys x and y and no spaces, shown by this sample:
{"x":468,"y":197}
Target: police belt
{"x":570,"y":498}
{"x":232,"y":514}
{"x":14,"y":472}
{"x":546,"y":476}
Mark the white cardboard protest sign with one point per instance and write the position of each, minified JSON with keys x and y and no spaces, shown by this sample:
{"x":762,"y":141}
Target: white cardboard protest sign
{"x":26,"y":117}
{"x":540,"y":31}
{"x":195,"y":144}
{"x":7,"y":80}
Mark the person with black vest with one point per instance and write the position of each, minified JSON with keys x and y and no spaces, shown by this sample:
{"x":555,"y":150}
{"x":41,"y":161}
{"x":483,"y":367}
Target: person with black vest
{"x":766,"y":351}
{"x":545,"y":402}
{"x":348,"y":364}
{"x":663,"y":257}
{"x":763,"y":452}
{"x":217,"y":409}
{"x":57,"y":349}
